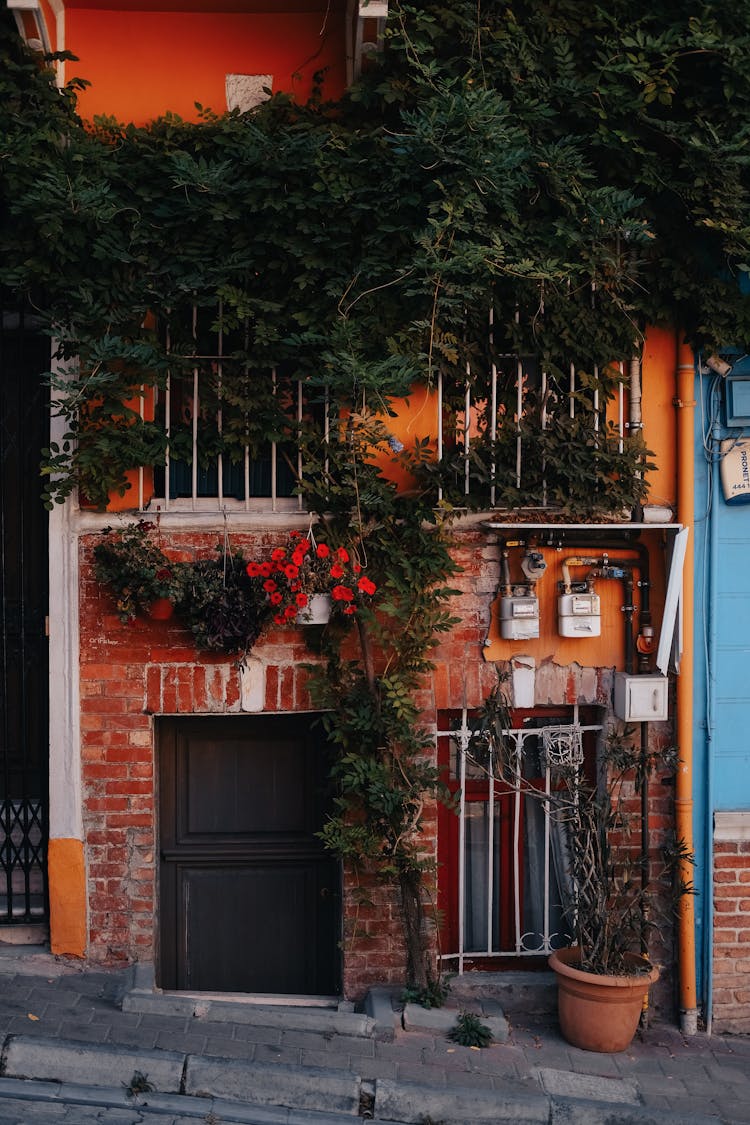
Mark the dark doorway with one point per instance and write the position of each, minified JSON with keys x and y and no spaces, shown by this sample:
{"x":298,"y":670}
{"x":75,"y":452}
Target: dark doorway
{"x":249,"y":899}
{"x":24,"y":679}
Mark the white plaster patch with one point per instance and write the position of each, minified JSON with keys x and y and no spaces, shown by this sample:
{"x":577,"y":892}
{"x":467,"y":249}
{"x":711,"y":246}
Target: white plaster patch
{"x":245,"y":91}
{"x":523,"y":676}
{"x":252,"y":684}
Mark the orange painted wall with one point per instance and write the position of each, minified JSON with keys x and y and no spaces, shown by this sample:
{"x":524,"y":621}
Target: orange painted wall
{"x":67,"y":897}
{"x":659,"y":360}
{"x":142,"y":64}
{"x":658,"y":388}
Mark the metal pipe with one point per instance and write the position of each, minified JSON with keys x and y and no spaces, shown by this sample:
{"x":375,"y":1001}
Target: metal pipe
{"x":685,"y":406}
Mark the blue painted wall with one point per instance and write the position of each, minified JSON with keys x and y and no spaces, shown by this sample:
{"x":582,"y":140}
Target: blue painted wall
{"x":721,"y":739}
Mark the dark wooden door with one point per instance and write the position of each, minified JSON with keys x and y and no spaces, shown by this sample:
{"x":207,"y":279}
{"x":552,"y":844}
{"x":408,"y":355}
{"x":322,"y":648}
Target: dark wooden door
{"x":249,"y":899}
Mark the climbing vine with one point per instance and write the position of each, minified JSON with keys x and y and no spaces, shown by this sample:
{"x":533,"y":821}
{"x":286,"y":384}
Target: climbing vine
{"x":568,"y":173}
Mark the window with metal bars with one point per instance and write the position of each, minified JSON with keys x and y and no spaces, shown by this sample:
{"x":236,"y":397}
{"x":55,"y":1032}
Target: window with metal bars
{"x":511,"y":432}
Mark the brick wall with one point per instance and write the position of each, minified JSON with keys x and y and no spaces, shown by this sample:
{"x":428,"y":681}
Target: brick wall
{"x":130,"y":673}
{"x":731,"y":985}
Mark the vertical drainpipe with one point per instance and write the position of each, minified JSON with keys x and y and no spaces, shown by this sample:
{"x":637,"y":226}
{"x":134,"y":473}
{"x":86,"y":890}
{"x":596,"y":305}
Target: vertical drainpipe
{"x":685,"y":405}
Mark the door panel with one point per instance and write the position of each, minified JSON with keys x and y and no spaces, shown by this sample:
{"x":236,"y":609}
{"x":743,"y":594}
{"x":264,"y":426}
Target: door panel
{"x":249,"y":899}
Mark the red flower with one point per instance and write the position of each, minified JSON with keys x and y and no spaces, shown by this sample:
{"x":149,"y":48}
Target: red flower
{"x":265,"y":569}
{"x":294,"y":534}
{"x":304,"y":546}
{"x":279,"y":618}
{"x":337,"y":571}
{"x":276,"y":598}
{"x":269,"y":585}
{"x":365,"y":585}
{"x":349,"y":609}
{"x":291,"y":571}
{"x":323,"y":551}
{"x":356,"y":568}
{"x":253,"y":570}
{"x":301,"y":600}
{"x":342,"y":594}
{"x":298,"y":558}
{"x":290,"y":612}
{"x":342,"y":554}
{"x":278,"y":554}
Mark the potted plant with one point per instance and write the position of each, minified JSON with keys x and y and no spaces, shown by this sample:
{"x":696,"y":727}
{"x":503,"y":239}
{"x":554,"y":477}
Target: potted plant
{"x":224,"y":608}
{"x":604,"y":975}
{"x":137,"y":571}
{"x":306,"y":580}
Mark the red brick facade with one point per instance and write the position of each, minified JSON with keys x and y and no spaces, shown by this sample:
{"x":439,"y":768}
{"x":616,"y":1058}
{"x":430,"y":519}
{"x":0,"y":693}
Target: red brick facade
{"x":731,"y":991}
{"x":130,"y":673}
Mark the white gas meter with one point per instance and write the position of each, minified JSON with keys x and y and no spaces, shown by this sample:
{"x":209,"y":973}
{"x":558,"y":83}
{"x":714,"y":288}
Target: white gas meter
{"x":579,"y":615}
{"x":519,"y":616}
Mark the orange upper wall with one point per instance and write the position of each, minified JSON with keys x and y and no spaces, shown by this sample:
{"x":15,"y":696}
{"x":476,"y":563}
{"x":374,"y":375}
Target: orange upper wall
{"x":142,"y":64}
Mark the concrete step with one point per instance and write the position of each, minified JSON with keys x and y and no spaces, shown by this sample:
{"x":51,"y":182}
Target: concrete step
{"x":325,"y":1014}
{"x":518,"y":993}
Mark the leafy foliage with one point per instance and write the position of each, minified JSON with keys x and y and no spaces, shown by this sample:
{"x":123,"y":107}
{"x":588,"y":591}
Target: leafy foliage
{"x":133,"y":565}
{"x":222,"y":606}
{"x":579,"y":172}
{"x":470,"y":1031}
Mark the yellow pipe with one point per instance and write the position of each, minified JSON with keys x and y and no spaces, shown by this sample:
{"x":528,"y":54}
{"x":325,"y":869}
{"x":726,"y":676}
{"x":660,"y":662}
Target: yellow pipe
{"x":685,"y":405}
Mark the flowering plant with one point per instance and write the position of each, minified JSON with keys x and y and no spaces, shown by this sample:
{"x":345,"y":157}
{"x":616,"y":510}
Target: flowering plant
{"x":294,"y":573}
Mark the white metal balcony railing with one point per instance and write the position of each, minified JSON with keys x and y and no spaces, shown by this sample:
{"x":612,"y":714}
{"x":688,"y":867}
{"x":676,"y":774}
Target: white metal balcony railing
{"x":266,"y":482}
{"x":536,"y":892}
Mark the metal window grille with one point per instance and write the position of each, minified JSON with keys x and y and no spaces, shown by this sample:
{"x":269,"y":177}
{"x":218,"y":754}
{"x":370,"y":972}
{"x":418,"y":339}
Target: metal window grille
{"x":490,"y":406}
{"x":539,"y":750}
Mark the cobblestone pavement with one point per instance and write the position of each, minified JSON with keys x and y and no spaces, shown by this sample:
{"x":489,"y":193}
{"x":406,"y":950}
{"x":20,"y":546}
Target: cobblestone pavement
{"x":662,"y":1073}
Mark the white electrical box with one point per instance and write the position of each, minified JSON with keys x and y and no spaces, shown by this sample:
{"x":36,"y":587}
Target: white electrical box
{"x":640,"y":699}
{"x":519,"y":617}
{"x":579,"y":615}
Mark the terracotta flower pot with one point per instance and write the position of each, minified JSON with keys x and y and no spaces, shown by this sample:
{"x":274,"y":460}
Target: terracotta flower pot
{"x":161,"y":609}
{"x":599,"y":1013}
{"x":317,"y":611}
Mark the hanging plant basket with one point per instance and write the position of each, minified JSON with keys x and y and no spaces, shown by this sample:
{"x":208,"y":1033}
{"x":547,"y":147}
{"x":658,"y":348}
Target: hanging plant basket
{"x":317,"y":611}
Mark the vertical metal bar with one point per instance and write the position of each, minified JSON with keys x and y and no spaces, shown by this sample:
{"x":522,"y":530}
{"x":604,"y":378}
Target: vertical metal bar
{"x":596,"y":400}
{"x":220,"y":412}
{"x":440,"y":426}
{"x":518,"y":739}
{"x":621,"y":407}
{"x":544,"y":427}
{"x":246,"y":450}
{"x":462,"y":746}
{"x":167,"y":426}
{"x":300,"y":506}
{"x":490,"y":856}
{"x":547,"y":831}
{"x":493,"y":405}
{"x":467,"y":432}
{"x":519,"y":412}
{"x":196,"y":409}
{"x":572,"y":387}
{"x":274,"y":452}
{"x":142,"y":412}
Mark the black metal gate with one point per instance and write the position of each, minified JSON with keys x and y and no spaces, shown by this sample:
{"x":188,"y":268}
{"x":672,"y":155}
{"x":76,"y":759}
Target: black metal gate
{"x":24,"y":741}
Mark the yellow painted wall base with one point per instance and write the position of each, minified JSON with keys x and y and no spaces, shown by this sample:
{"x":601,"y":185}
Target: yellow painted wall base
{"x":67,"y":897}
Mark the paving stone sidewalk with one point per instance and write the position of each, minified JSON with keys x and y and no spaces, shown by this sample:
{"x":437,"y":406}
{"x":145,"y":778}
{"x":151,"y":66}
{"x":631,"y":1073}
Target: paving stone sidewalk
{"x":50,"y":1007}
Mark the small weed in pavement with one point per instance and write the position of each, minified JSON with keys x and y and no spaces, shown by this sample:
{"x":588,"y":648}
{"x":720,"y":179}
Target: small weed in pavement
{"x":139,"y":1084}
{"x":470,"y":1031}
